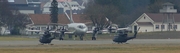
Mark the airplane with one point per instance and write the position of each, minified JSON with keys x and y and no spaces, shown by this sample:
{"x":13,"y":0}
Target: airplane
{"x":77,"y":29}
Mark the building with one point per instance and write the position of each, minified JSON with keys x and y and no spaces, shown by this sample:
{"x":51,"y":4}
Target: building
{"x":46,"y":8}
{"x":152,"y":22}
{"x":26,"y":6}
{"x":167,"y":20}
{"x":65,"y":7}
{"x":41,"y":21}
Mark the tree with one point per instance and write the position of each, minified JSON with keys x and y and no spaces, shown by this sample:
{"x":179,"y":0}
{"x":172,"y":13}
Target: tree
{"x":131,"y":9}
{"x":99,"y":14}
{"x":54,"y":11}
{"x":12,"y":18}
{"x":5,"y":12}
{"x":156,"y":5}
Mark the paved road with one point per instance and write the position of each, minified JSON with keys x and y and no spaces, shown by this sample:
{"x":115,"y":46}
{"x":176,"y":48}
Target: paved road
{"x":71,"y":42}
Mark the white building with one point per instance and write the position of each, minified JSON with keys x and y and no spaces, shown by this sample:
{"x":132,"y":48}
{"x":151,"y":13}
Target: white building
{"x":152,"y":22}
{"x":26,"y":6}
{"x":46,"y":8}
{"x":166,"y":20}
{"x":64,"y":7}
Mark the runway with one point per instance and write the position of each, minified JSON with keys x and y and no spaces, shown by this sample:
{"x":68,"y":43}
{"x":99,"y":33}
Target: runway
{"x":72,"y":42}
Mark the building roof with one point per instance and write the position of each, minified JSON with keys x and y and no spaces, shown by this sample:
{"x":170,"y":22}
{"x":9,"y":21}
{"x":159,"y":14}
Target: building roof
{"x":43,"y":19}
{"x":24,"y":1}
{"x":48,"y":4}
{"x":73,"y":3}
{"x":20,"y":1}
{"x":144,"y":23}
{"x":158,"y":17}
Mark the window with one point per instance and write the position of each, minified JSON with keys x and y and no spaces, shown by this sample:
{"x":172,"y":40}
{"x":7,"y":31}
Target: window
{"x":144,"y":17}
{"x":81,"y":27}
{"x":175,"y":26}
{"x":157,"y":26}
{"x":162,"y":27}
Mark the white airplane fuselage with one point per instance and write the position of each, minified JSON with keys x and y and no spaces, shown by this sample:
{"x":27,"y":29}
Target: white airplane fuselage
{"x":77,"y":28}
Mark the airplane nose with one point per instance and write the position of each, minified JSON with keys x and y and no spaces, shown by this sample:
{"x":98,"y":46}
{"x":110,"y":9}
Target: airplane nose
{"x":84,"y":30}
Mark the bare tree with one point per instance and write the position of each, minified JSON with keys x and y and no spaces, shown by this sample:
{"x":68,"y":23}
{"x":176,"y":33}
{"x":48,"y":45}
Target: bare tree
{"x":99,"y":14}
{"x":12,"y":18}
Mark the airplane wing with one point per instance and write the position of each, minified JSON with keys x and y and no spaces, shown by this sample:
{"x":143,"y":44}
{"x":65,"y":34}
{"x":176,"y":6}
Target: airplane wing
{"x":34,"y":30}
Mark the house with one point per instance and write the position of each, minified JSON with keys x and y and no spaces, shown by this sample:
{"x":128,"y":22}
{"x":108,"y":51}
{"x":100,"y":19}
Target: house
{"x":152,"y":22}
{"x":46,"y":8}
{"x":167,"y":20}
{"x":65,"y":7}
{"x":41,"y":21}
{"x":26,"y":6}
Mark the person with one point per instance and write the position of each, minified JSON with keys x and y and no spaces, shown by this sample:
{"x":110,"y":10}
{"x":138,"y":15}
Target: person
{"x":110,"y":29}
{"x":63,"y":30}
{"x":95,"y":31}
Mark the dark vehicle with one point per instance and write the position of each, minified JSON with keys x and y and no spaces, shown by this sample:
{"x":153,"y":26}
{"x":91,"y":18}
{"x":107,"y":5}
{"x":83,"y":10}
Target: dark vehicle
{"x":46,"y":38}
{"x":122,"y":36}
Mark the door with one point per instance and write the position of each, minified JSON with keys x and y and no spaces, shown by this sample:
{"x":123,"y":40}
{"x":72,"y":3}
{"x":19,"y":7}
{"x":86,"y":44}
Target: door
{"x":135,"y":28}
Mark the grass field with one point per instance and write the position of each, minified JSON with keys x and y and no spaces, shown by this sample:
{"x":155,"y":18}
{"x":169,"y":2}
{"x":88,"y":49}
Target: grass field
{"x":150,"y":35}
{"x":114,"y":48}
{"x":110,"y":48}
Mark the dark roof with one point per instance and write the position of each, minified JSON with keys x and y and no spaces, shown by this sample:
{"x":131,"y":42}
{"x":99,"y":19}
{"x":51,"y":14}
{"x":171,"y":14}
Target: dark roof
{"x":20,"y":2}
{"x":62,"y":19}
{"x":144,"y":23}
{"x":23,"y":1}
{"x":158,"y":17}
{"x":168,"y":3}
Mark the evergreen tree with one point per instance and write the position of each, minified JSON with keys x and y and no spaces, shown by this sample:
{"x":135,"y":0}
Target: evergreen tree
{"x":54,"y":11}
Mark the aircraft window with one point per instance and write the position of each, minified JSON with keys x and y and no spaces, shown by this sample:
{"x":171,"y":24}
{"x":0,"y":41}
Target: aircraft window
{"x":81,"y":27}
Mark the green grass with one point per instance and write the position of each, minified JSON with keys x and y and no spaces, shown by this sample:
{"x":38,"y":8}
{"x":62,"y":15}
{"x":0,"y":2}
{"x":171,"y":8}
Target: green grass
{"x":112,"y":48}
{"x":14,"y":38}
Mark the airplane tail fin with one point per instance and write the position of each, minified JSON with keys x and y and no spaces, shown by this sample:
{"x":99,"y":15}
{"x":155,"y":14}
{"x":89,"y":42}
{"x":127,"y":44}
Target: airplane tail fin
{"x":134,"y":34}
{"x":70,"y":18}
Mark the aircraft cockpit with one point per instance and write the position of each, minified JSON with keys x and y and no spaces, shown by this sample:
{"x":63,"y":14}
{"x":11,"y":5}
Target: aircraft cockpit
{"x":81,"y":27}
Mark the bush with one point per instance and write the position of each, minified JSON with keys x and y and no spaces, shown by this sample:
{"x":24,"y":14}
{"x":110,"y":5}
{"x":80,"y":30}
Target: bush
{"x":15,"y":31}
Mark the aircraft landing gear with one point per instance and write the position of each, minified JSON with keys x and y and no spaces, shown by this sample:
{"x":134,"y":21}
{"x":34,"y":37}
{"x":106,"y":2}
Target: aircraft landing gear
{"x":45,"y":43}
{"x":81,"y":37}
{"x":61,"y":39}
{"x":93,"y":38}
